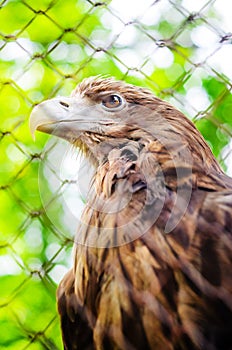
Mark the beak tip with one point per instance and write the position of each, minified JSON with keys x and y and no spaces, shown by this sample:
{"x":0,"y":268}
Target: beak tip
{"x":32,"y":129}
{"x":33,"y":136}
{"x":36,"y":120}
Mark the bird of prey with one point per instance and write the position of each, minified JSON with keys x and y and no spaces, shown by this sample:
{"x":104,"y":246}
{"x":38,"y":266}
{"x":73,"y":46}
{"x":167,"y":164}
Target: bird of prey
{"x":153,"y":252}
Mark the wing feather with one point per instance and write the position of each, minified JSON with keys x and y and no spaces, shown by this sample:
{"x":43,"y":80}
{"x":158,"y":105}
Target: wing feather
{"x":135,"y":286}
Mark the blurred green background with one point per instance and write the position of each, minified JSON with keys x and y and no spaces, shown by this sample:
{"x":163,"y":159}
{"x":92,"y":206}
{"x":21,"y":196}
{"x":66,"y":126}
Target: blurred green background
{"x":180,"y":49}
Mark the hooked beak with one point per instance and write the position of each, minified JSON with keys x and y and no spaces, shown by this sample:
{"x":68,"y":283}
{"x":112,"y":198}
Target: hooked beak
{"x":48,"y":115}
{"x":67,"y":117}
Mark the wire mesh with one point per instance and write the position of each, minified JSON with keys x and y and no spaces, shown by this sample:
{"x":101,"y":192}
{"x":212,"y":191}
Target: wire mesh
{"x":180,"y":50}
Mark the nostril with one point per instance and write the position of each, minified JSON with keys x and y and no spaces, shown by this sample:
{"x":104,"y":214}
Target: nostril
{"x":62,"y":103}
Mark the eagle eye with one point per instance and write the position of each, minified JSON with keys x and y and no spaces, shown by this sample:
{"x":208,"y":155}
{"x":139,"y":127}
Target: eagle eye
{"x":112,"y":102}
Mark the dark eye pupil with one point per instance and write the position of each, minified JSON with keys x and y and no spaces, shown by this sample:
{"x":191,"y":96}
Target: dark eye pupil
{"x":112,"y":101}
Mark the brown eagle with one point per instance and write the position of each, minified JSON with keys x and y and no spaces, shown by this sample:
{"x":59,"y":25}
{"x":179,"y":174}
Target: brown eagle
{"x":153,"y":252}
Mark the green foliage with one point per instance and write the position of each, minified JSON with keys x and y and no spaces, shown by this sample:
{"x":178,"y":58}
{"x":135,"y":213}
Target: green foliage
{"x":216,"y":126}
{"x":46,"y":47}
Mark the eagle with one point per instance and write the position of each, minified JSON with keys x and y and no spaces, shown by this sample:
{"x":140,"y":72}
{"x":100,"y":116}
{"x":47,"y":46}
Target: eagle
{"x":153,"y":251}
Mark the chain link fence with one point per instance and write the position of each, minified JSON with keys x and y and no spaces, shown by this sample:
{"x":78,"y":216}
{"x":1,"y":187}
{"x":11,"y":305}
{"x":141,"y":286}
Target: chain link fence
{"x":180,"y":49}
